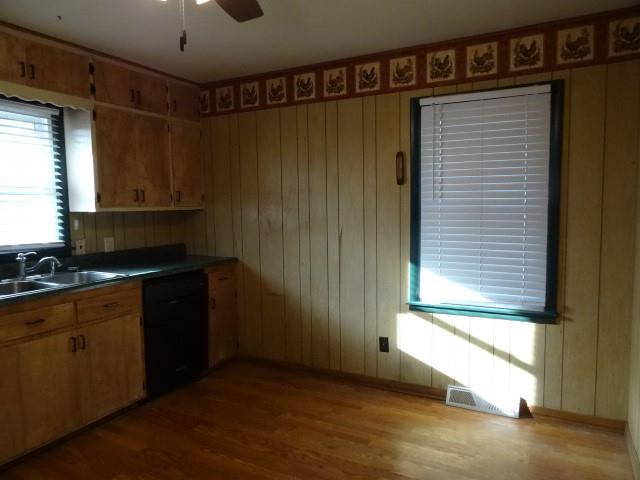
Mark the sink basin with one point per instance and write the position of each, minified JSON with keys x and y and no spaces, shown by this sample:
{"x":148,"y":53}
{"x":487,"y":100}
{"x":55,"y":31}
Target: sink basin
{"x":15,"y":287}
{"x":73,"y":278}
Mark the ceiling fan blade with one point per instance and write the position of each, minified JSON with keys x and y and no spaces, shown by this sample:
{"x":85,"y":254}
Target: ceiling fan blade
{"x":241,"y":10}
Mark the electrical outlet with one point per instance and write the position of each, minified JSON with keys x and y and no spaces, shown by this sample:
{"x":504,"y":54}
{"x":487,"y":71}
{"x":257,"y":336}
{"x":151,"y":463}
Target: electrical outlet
{"x":108,"y":244}
{"x":384,"y":344}
{"x":80,"y":246}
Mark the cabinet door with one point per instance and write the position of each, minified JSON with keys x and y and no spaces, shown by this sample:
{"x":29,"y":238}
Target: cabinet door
{"x":49,"y":388}
{"x":54,"y":69}
{"x":152,"y":153}
{"x":11,"y":415}
{"x":223,"y":336}
{"x":118,"y":171}
{"x":151,"y":93}
{"x":111,"y":368}
{"x":187,"y":164}
{"x":114,"y":84}
{"x":13,"y":66}
{"x":184,"y":101}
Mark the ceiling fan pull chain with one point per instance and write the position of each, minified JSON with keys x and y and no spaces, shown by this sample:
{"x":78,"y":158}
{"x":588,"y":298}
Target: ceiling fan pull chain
{"x":183,"y":37}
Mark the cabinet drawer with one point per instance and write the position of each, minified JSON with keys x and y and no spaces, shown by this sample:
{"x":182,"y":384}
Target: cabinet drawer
{"x":109,"y":305}
{"x":40,"y":320}
{"x":222,"y":277}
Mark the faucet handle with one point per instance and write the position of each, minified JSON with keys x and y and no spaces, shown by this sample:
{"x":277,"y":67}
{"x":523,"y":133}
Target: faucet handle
{"x":23,"y":256}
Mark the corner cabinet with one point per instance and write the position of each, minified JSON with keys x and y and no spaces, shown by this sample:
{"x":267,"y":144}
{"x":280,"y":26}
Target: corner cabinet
{"x":66,"y":362}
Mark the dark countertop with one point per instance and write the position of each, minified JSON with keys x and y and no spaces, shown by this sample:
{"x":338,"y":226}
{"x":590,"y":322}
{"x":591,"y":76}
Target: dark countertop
{"x":140,"y":264}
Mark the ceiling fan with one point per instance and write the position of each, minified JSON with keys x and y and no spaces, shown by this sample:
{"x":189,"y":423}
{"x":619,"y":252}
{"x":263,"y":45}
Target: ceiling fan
{"x":240,"y":10}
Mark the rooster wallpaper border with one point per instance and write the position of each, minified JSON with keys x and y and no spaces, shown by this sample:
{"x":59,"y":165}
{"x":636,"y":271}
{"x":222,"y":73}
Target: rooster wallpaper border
{"x":604,"y":37}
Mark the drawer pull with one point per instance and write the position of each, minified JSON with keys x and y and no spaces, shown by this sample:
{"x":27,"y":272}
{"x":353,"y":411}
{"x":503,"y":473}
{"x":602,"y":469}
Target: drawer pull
{"x":222,"y":279}
{"x":83,"y":342}
{"x":31,"y":323}
{"x":110,"y":305}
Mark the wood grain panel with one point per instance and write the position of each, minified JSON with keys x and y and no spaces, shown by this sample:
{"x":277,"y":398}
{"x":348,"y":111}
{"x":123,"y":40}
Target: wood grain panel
{"x":370,"y":237}
{"x":583,"y":235}
{"x":318,"y":236}
{"x":271,"y":249}
{"x":291,"y":233}
{"x":554,"y":336}
{"x":333,"y":235}
{"x":250,"y":233}
{"x":351,"y":241}
{"x":388,"y":231}
{"x":305,"y":245}
{"x":221,"y":191}
{"x":618,"y":240}
{"x":415,"y":328}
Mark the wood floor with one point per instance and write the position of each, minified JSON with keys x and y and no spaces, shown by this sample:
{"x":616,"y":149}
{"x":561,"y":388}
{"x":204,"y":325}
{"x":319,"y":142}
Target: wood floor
{"x":257,"y":422}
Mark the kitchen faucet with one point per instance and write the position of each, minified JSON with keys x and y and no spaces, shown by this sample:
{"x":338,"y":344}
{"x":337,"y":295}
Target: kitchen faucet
{"x":22,"y":264}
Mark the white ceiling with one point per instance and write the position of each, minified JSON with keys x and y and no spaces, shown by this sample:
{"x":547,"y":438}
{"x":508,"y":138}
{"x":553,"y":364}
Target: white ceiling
{"x":291,"y":33}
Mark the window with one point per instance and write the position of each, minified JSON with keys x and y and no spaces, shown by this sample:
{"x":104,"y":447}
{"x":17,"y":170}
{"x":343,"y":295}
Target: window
{"x":485,"y":187}
{"x":33,"y":197}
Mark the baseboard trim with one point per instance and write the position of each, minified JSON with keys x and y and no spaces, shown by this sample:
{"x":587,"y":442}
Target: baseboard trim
{"x":633,"y":454}
{"x":430,"y":392}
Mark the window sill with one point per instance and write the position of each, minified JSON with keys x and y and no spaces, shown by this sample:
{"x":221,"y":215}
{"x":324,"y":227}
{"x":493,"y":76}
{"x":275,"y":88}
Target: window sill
{"x":546,"y":317}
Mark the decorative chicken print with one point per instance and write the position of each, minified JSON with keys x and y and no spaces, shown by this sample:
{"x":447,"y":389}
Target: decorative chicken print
{"x":483,"y":63}
{"x":526,"y":55}
{"x":305,"y":86}
{"x":625,"y":37}
{"x":250,"y":95}
{"x":403,"y":71}
{"x":224,"y":99}
{"x":441,"y":68}
{"x":578,"y":48}
{"x":335,"y":83}
{"x":368,"y":77}
{"x":276,"y":91}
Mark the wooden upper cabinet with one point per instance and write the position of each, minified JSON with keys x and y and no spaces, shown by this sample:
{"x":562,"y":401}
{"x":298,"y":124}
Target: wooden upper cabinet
{"x":13,"y":59}
{"x":118,"y":171}
{"x":119,"y":85}
{"x":42,"y":66}
{"x":51,"y":68}
{"x":152,"y":152}
{"x":184,"y":101}
{"x":151,"y":93}
{"x":114,"y":84}
{"x":187,"y":164}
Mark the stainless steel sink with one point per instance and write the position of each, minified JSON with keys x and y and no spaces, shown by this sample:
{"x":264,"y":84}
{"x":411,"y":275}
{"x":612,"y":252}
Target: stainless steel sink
{"x":15,"y":287}
{"x":73,"y":278}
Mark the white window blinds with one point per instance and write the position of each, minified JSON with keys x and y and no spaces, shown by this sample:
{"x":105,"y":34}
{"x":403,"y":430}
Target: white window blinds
{"x":484,"y":198}
{"x":30,"y":177}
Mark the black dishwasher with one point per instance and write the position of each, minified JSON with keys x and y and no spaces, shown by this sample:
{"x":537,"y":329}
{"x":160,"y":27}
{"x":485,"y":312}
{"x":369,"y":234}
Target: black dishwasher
{"x":175,"y":330}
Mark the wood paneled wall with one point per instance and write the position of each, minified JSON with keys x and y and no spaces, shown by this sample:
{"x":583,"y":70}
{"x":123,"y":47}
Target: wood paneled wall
{"x":141,"y":229}
{"x":633,"y":417}
{"x":306,"y":197}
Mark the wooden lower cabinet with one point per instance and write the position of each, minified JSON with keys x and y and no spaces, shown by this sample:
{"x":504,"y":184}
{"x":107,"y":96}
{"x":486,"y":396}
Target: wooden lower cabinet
{"x":48,"y":386}
{"x":55,"y":381}
{"x":111,"y":366}
{"x":223,"y":315}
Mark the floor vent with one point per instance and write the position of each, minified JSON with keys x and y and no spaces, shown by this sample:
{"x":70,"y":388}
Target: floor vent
{"x":466,"y":398}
